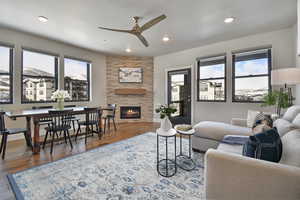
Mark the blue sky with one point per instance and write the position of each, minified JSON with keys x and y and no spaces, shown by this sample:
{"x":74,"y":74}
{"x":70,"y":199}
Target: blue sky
{"x":259,"y":66}
{"x":38,"y":61}
{"x":46,"y":63}
{"x":75,"y":68}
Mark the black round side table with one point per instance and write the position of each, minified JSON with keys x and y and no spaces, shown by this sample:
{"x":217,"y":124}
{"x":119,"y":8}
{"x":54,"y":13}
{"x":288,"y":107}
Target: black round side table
{"x":185,"y":162}
{"x":166,"y":167}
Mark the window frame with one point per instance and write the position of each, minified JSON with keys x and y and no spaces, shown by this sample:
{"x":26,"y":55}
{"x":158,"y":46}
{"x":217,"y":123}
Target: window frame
{"x":55,"y":73}
{"x":89,"y":64}
{"x":207,"y":79}
{"x":269,"y":57}
{"x":10,"y":73}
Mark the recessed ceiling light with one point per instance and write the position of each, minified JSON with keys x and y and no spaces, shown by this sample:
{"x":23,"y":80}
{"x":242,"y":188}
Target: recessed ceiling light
{"x":42,"y":19}
{"x":229,"y":20}
{"x":128,"y":50}
{"x":166,"y":38}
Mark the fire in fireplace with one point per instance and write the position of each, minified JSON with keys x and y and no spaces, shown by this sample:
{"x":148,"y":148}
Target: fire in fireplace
{"x":130,"y":112}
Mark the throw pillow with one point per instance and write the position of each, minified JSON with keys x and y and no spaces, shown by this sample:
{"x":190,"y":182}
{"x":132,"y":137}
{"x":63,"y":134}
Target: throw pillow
{"x":251,"y":117}
{"x":291,"y":113}
{"x":291,"y":148}
{"x":296,"y":121}
{"x":265,"y":146}
{"x":283,"y":126}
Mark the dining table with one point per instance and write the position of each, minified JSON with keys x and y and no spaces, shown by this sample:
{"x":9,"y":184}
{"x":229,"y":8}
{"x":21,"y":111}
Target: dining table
{"x":34,"y":115}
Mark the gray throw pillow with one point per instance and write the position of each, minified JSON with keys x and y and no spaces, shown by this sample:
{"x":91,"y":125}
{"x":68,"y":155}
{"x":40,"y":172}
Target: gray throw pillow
{"x":283,"y":126}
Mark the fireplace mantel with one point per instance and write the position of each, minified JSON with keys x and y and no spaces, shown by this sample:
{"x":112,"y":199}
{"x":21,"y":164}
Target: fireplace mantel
{"x":130,"y":91}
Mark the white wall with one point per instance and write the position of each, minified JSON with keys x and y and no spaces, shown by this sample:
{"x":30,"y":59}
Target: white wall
{"x":20,"y":39}
{"x":297,"y":47}
{"x":283,"y":45}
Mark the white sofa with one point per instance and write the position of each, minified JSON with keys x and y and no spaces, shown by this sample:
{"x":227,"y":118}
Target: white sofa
{"x":208,"y":134}
{"x":229,"y":175}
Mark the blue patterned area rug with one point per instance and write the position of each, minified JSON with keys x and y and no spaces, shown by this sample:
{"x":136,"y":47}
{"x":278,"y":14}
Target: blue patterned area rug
{"x":121,"y":171}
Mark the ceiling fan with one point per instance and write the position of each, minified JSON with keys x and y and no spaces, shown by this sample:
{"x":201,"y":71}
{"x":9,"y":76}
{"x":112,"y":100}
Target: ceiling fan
{"x":138,"y":30}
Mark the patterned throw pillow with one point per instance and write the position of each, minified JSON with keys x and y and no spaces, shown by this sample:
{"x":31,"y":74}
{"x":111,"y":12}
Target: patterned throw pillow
{"x":255,"y":117}
{"x":251,"y":117}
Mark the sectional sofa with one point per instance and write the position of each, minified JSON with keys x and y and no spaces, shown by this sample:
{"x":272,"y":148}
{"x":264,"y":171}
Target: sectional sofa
{"x":229,"y":175}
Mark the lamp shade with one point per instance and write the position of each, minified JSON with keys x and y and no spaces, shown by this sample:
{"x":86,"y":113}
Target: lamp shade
{"x":288,"y":76}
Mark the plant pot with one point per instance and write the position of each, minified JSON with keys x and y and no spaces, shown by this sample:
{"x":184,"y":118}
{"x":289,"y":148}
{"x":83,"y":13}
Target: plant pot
{"x":165,"y":124}
{"x":60,"y":104}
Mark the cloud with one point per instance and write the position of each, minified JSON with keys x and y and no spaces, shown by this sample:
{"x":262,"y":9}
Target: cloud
{"x":253,"y":83}
{"x":212,"y":71}
{"x":4,"y":58}
{"x":244,"y":68}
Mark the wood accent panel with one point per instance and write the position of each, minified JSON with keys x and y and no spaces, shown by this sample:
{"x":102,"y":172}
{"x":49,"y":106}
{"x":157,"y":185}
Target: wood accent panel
{"x":130,"y":91}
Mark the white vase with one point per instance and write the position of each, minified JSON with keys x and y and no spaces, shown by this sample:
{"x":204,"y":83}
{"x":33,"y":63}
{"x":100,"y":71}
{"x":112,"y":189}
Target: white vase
{"x":165,"y":124}
{"x":60,"y":104}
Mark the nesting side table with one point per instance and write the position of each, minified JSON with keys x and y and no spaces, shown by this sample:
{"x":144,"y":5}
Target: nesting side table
{"x":184,"y":161}
{"x":166,"y":167}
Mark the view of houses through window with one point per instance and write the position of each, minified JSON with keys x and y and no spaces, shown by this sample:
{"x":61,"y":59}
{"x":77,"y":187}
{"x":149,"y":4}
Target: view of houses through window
{"x":5,"y":74}
{"x":77,"y":79}
{"x":39,"y":76}
{"x":251,"y":77}
{"x":211,"y":79}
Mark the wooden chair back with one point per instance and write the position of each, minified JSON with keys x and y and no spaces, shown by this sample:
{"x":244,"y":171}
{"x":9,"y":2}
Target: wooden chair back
{"x":2,"y":122}
{"x":112,"y":113}
{"x":60,"y":119}
{"x":93,"y":115}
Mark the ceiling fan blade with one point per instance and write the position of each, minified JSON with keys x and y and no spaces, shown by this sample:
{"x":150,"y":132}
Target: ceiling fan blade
{"x":116,"y":30}
{"x":153,"y":22}
{"x":143,"y":40}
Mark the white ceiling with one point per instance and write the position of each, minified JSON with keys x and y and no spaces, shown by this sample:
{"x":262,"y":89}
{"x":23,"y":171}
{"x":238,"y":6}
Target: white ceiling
{"x":189,"y":23}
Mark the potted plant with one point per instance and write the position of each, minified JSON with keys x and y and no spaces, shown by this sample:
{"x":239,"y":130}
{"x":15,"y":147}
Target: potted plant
{"x":279,"y":99}
{"x":165,"y":112}
{"x":60,"y":96}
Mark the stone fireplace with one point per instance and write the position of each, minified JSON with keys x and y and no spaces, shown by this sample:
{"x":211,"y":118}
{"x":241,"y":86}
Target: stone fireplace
{"x":134,"y":100}
{"x":130,"y":112}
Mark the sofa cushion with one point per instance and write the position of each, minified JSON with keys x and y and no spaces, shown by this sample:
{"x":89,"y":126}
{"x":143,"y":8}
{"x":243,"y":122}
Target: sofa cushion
{"x":229,"y":148}
{"x":291,"y":148}
{"x":217,"y":130}
{"x":296,"y":121}
{"x":283,"y":126}
{"x":291,"y":113}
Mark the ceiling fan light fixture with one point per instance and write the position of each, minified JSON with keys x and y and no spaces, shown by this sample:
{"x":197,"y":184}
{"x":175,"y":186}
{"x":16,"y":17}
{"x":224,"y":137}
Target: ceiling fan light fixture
{"x":166,"y":38}
{"x":128,"y":50}
{"x":42,"y":19}
{"x":229,"y":20}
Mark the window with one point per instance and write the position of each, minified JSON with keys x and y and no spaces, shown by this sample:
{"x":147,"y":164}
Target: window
{"x":77,"y":79}
{"x":251,"y":75}
{"x":212,"y":79}
{"x":38,"y":69}
{"x":6,"y":63}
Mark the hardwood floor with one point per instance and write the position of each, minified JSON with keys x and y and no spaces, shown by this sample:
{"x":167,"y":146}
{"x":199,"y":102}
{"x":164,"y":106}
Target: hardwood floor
{"x":19,"y":157}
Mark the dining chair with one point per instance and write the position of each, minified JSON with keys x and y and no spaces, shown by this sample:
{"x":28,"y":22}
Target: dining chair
{"x":5,"y":132}
{"x":60,"y":123}
{"x":110,"y":116}
{"x":92,"y":118}
{"x":73,"y":118}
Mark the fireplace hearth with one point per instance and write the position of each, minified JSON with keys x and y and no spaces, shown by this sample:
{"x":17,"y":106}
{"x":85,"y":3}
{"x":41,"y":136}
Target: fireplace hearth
{"x":130,"y":112}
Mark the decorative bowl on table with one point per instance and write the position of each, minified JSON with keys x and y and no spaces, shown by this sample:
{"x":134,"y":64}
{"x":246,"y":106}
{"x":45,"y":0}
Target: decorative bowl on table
{"x":183,"y":127}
